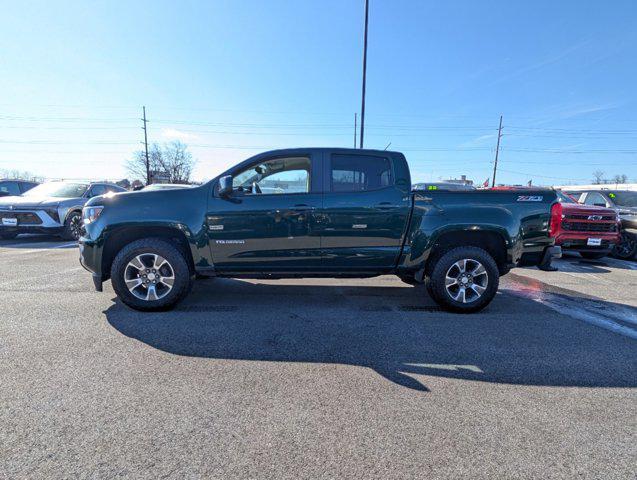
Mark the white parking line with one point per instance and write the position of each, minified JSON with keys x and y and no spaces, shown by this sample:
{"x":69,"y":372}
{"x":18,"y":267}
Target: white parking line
{"x":605,"y":316}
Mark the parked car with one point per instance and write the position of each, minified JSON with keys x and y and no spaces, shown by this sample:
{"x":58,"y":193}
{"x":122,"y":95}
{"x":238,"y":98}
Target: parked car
{"x":590,"y":230}
{"x":53,"y":207}
{"x":355,"y":216}
{"x":15,"y":187}
{"x":624,"y":202}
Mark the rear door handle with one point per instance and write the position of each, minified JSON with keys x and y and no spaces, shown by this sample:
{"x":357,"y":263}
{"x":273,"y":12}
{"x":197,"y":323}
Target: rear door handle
{"x":385,"y":206}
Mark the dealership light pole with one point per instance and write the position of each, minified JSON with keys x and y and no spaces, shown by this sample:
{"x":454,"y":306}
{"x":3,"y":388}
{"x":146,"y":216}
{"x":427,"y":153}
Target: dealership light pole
{"x":364,"y":72}
{"x":146,"y":146}
{"x":497,"y":150}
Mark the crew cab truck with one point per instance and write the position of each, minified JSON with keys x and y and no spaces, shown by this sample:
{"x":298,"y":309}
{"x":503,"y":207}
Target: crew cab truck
{"x":315,"y":212}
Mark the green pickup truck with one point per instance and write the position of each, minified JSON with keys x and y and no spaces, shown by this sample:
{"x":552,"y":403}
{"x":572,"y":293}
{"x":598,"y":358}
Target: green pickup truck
{"x":315,"y":212}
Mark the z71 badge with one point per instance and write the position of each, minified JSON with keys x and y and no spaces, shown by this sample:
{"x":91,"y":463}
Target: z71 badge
{"x":530,"y":198}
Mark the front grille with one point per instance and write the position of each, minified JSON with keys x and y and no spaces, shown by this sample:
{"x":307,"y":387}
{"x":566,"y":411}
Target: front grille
{"x":606,"y":218}
{"x":24,"y":218}
{"x":589,"y":227}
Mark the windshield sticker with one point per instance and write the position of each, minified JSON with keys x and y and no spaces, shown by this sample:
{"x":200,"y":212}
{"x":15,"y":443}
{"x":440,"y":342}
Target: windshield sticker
{"x":611,"y":195}
{"x":530,"y":198}
{"x":432,"y":187}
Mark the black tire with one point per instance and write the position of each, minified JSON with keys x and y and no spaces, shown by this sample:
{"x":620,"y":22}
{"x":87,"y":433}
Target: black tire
{"x":474,"y":301}
{"x":72,"y":226}
{"x":593,"y":255}
{"x":176,"y":261}
{"x":626,"y":249}
{"x":8,"y":235}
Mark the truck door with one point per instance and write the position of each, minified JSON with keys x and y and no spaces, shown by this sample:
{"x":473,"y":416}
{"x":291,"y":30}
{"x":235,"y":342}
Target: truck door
{"x":268,"y":222}
{"x":364,"y":212}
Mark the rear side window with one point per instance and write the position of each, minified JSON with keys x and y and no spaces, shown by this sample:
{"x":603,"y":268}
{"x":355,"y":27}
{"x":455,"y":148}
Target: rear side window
{"x":359,"y":173}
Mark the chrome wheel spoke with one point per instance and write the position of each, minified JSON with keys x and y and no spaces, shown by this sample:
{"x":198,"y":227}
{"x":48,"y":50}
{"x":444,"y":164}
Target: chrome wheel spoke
{"x":478,"y":289}
{"x":450,"y":281}
{"x":159,"y":262}
{"x":137,"y":263}
{"x":479,"y":270}
{"x":151,"y":294}
{"x":133,"y":283}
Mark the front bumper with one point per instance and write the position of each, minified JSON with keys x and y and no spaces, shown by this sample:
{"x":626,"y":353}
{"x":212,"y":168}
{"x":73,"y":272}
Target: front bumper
{"x":30,"y":220}
{"x":91,"y":260}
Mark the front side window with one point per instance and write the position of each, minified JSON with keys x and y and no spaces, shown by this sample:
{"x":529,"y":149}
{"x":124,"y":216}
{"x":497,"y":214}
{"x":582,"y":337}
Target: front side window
{"x":624,"y":199}
{"x":9,"y":188}
{"x":595,"y":198}
{"x":275,"y":177}
{"x":359,"y":173}
{"x":97,"y":190}
{"x":57,"y":190}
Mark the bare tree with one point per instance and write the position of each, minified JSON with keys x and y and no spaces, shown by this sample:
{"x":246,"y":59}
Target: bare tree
{"x":173,"y":160}
{"x":623,"y":178}
{"x":177,"y":162}
{"x":136,"y":166}
{"x":598,"y":177}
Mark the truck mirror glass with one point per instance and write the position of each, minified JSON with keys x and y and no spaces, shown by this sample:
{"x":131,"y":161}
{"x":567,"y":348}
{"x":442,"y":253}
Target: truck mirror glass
{"x":225,"y":186}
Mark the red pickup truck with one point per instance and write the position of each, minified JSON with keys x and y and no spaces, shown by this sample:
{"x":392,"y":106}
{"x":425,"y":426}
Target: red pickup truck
{"x":592,"y":231}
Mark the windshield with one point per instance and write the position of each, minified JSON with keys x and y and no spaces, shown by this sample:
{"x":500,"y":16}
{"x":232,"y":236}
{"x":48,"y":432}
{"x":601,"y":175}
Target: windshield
{"x":624,"y":199}
{"x":564,"y":198}
{"x":58,"y":190}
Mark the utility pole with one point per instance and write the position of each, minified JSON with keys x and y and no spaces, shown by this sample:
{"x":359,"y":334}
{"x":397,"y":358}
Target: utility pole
{"x":497,"y":150}
{"x":364,"y":72}
{"x":355,"y":127}
{"x":146,"y":146}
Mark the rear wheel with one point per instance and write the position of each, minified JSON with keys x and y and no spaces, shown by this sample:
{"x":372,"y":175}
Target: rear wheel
{"x":150,"y":274}
{"x":464,"y":280}
{"x":626,"y":248}
{"x":593,"y":255}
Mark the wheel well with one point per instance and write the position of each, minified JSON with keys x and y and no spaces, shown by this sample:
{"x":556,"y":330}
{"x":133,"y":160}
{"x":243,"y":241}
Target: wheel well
{"x":492,"y":242}
{"x":125,"y":235}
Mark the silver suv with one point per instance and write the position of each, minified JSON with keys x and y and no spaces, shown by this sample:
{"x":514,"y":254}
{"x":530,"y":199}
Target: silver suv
{"x":53,"y":207}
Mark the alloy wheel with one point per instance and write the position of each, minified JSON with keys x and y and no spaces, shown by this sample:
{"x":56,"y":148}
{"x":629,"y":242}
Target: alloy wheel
{"x":466,"y":280}
{"x":149,"y":276}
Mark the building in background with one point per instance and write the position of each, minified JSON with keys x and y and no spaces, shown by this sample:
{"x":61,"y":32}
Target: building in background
{"x":461,"y":181}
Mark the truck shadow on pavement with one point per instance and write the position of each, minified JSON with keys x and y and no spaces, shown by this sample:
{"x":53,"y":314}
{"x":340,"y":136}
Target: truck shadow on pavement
{"x":395,"y":331}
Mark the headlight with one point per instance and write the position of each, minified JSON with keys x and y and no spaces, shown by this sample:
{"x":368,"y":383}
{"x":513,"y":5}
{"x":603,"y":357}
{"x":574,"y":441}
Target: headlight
{"x":90,"y":214}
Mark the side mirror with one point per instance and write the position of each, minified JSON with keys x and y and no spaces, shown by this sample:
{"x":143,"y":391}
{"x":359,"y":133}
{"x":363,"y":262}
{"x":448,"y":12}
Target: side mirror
{"x":225,"y":186}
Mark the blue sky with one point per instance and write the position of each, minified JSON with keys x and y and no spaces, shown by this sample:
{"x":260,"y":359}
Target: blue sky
{"x":233,"y":78}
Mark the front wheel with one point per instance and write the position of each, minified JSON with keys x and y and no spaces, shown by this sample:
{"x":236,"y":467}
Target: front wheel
{"x":72,"y":226}
{"x":626,"y":248}
{"x":150,"y":274}
{"x":464,"y":280}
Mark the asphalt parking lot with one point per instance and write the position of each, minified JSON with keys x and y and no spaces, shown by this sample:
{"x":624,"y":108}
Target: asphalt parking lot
{"x":316,"y":378}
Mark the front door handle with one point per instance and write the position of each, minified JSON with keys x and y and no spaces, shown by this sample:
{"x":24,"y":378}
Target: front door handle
{"x":302,"y":207}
